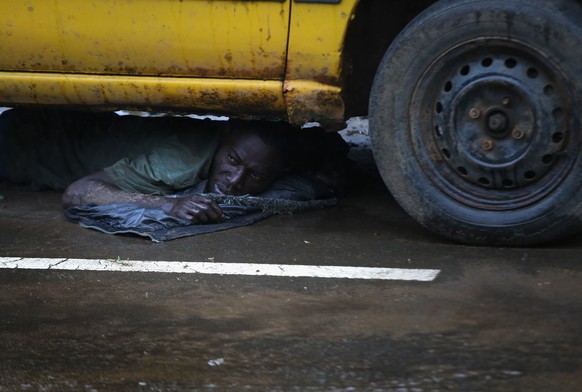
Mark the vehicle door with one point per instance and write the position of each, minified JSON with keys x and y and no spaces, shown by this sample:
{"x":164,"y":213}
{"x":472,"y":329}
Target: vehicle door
{"x":213,"y":56}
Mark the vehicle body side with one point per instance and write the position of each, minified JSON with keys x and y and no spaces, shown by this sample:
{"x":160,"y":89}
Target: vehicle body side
{"x":297,"y":61}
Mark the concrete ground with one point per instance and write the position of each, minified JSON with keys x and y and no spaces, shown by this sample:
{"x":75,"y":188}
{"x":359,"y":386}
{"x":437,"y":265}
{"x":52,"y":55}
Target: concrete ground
{"x":494,"y":319}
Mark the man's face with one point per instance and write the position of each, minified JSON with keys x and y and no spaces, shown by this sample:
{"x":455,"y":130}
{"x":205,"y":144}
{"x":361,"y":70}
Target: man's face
{"x":243,"y":165}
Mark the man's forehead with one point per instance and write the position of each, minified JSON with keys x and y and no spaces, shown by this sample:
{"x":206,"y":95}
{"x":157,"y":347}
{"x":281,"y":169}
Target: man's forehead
{"x":246,"y":138}
{"x":278,"y":140}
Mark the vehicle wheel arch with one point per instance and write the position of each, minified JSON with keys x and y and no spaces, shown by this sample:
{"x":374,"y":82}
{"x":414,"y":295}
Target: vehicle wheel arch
{"x":375,"y":25}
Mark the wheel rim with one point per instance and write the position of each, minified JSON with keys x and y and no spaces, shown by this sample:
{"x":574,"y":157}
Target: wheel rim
{"x":498,"y":135}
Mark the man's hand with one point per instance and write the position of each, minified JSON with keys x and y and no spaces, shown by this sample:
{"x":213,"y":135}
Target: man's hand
{"x":195,"y":209}
{"x":99,"y":189}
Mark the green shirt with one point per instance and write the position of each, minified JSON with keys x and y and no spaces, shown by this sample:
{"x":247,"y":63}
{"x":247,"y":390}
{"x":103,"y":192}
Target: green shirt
{"x":172,"y":165}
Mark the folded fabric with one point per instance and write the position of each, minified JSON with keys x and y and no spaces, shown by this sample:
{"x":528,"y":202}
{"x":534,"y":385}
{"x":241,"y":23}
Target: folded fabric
{"x":290,"y":195}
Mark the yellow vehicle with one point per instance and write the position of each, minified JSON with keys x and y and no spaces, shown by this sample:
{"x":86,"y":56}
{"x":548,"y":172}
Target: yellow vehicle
{"x":475,"y":106}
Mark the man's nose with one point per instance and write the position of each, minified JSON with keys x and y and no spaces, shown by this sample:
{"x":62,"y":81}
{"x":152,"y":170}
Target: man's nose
{"x":235,"y":179}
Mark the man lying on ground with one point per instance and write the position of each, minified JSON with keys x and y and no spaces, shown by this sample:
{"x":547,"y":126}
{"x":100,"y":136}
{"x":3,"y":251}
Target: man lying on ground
{"x":102,"y":158}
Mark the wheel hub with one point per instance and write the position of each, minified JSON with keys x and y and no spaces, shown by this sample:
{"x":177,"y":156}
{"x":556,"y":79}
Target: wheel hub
{"x":504,"y":129}
{"x":497,"y":123}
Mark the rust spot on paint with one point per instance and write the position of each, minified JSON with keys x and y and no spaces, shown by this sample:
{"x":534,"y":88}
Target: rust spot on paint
{"x":131,"y":70}
{"x":321,"y":75}
{"x":234,"y":101}
{"x":305,"y":105}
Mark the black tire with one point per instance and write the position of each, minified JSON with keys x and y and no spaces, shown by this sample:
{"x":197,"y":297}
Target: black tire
{"x":475,"y":120}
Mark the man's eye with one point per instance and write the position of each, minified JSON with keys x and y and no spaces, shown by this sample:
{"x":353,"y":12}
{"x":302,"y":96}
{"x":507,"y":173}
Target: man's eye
{"x":230,"y":158}
{"x":255,"y":176}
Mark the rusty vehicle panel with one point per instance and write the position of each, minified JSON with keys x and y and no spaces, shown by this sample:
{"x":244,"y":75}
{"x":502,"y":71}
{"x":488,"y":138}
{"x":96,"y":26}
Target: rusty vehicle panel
{"x":210,"y":56}
{"x":210,"y":39}
{"x":224,"y":57}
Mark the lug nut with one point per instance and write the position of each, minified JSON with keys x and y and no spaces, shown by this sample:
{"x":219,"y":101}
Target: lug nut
{"x":474,"y":113}
{"x":487,"y":144}
{"x":506,"y":101}
{"x":517,"y":133}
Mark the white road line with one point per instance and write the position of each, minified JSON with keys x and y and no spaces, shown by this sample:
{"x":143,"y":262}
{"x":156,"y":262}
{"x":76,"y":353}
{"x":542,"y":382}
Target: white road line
{"x":281,"y":270}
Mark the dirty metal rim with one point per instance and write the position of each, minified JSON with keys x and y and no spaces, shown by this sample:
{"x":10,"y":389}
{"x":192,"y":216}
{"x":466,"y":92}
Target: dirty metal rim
{"x":498,"y":135}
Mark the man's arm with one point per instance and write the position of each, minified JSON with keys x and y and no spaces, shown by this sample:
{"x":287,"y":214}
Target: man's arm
{"x":99,"y":188}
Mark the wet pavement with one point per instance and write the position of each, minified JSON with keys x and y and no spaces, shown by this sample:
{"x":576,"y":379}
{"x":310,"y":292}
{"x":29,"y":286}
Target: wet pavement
{"x":495,"y":319}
